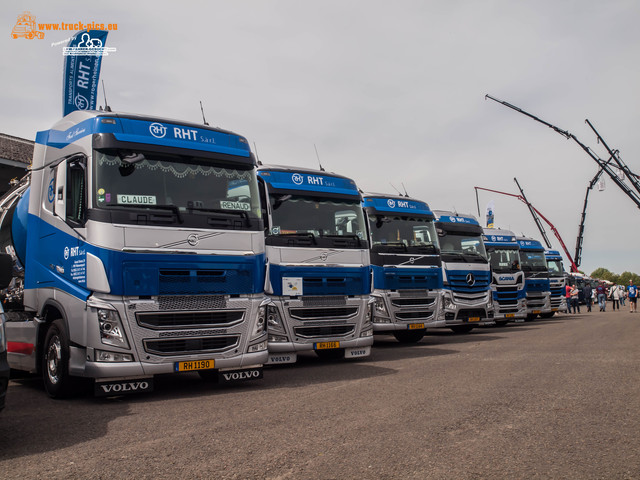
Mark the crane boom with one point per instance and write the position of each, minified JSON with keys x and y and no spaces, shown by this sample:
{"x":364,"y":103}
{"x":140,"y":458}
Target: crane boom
{"x":534,"y":211}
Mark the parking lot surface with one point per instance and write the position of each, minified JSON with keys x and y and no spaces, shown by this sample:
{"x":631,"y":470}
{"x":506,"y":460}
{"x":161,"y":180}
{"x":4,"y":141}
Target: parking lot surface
{"x":556,"y":398}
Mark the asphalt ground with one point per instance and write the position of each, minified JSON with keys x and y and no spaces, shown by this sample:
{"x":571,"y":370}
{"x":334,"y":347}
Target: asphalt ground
{"x":556,"y":398}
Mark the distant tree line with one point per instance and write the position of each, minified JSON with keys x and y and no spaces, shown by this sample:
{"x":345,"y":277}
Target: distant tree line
{"x":622,"y":279}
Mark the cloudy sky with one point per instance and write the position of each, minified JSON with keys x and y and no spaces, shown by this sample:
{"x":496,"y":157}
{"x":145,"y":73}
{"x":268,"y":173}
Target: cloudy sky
{"x":390,"y":93}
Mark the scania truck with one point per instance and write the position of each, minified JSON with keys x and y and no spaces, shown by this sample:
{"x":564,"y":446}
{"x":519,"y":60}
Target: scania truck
{"x":557,"y":283}
{"x":534,"y":266}
{"x":132,"y":257}
{"x":466,"y":295}
{"x":318,"y":269}
{"x":407,"y":272}
{"x":507,"y":278}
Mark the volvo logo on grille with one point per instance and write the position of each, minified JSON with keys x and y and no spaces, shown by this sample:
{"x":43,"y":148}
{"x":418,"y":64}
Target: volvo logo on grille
{"x":471,"y":280}
{"x":324,"y":256}
{"x":193,"y":239}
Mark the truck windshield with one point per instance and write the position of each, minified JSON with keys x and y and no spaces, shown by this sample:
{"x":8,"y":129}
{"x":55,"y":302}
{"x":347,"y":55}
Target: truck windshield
{"x":555,"y":268}
{"x":533,"y":261}
{"x":504,"y":259}
{"x":167,"y":182}
{"x":467,"y":247}
{"x":410,"y":234}
{"x":315,"y":218}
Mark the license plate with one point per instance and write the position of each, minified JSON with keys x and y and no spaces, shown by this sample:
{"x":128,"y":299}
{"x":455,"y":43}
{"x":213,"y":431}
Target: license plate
{"x":415,"y":326}
{"x":554,"y":309}
{"x":509,"y":315}
{"x":535,"y":312}
{"x":474,"y":319}
{"x":326,"y":345}
{"x":194,"y":365}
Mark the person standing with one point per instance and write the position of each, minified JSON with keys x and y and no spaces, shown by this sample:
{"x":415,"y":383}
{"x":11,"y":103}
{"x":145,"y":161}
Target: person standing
{"x":615,"y":297}
{"x":632,"y":292}
{"x":567,"y":296}
{"x":623,"y":294}
{"x":602,"y":296}
{"x":586,"y":291}
{"x":575,"y":302}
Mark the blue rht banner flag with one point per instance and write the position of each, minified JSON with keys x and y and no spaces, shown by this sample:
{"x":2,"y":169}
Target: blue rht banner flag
{"x":82,"y":59}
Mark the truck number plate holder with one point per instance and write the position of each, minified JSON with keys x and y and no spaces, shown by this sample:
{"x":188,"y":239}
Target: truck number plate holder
{"x":326,"y":345}
{"x":194,"y":365}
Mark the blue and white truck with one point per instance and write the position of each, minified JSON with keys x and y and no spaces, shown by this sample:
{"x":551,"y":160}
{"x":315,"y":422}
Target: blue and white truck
{"x":318,"y":269}
{"x":557,"y":283}
{"x":466,"y":296}
{"x":407,"y":272}
{"x":507,"y":278}
{"x":537,"y":286}
{"x":132,"y":257}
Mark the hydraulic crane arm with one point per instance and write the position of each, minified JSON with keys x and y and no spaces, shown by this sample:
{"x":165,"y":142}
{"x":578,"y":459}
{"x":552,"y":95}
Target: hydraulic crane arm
{"x":601,"y":163}
{"x":534,"y":211}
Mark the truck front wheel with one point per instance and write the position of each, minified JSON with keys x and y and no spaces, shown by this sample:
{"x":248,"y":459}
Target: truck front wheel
{"x":461,"y":328}
{"x":409,"y":336}
{"x":55,"y":362}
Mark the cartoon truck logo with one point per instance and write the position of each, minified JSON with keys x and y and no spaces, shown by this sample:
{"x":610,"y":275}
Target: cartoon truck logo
{"x":26,"y":27}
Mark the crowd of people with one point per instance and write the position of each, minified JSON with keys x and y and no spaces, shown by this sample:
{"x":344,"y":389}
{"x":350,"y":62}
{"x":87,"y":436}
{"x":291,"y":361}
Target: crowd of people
{"x":617,"y":294}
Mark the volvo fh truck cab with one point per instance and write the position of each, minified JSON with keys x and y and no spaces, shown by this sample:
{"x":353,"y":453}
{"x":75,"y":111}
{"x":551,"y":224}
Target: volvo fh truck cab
{"x":407,"y":272}
{"x":318,"y":270}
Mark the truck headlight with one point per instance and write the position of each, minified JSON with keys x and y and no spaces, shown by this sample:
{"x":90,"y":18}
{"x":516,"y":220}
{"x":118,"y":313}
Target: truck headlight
{"x":380,"y":307}
{"x":273,"y":317}
{"x":111,"y":331}
{"x":446,"y":301}
{"x":261,"y":321}
{"x":369,"y":313}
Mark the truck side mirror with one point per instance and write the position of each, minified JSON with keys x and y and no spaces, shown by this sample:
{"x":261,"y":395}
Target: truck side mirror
{"x":61,"y":190}
{"x":6,"y":270}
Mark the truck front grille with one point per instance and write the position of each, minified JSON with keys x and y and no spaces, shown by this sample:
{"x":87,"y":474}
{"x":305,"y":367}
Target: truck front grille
{"x":414,"y":315}
{"x":169,"y":319}
{"x":325,"y":331}
{"x":180,"y":346}
{"x":412,"y":302}
{"x":326,"y":312}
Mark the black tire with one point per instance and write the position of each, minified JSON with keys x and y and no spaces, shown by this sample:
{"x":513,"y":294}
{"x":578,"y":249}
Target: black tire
{"x":461,"y":328}
{"x":409,"y":336}
{"x":501,"y":323}
{"x":547,"y":315}
{"x":331,"y":354}
{"x":55,"y":362}
{"x":531,"y":316}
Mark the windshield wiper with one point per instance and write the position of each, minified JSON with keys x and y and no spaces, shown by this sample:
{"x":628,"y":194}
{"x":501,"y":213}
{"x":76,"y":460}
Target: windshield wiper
{"x":357,"y":238}
{"x":173,"y":208}
{"x":240,"y":213}
{"x":300,"y":234}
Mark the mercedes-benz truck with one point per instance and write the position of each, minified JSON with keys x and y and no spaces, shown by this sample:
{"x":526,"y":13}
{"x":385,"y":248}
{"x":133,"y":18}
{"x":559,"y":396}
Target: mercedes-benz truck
{"x":318,"y":269}
{"x":407,"y":272}
{"x":534,"y":266}
{"x":507,"y":278}
{"x":132,"y":257}
{"x":466,"y":296}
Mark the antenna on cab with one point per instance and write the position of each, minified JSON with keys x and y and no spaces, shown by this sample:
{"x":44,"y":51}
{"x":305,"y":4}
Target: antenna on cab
{"x":318,"y":157}
{"x":204,"y":120}
{"x":107,"y":108}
